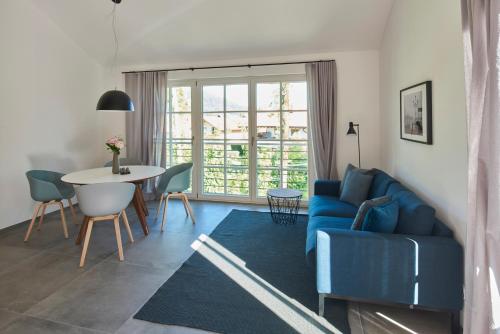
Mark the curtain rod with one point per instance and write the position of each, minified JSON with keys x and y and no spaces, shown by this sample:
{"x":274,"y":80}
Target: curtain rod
{"x":229,"y":66}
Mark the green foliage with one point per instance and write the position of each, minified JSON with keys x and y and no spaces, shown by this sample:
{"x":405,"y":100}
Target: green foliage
{"x":237,"y":178}
{"x":183,"y":103}
{"x":113,"y":148}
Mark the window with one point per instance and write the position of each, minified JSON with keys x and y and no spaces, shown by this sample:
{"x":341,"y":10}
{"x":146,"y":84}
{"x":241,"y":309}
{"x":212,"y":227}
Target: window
{"x":244,"y":135}
{"x":225,"y":139}
{"x":281,"y":136}
{"x":179,"y":126}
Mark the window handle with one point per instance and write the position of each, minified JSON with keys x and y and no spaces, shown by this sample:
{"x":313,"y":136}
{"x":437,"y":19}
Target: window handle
{"x":192,"y":140}
{"x":253,"y":141}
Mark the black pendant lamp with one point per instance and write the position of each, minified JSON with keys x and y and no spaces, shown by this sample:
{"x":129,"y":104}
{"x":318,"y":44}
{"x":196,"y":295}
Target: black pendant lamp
{"x":115,"y":100}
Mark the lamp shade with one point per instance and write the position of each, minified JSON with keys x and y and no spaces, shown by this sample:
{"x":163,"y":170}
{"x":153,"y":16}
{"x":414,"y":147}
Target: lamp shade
{"x":351,"y":130}
{"x":115,"y":100}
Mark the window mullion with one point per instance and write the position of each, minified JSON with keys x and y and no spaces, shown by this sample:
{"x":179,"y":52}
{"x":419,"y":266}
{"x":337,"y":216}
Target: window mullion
{"x":225,"y":141}
{"x":171,"y":162}
{"x":281,"y":136}
{"x":252,"y":140}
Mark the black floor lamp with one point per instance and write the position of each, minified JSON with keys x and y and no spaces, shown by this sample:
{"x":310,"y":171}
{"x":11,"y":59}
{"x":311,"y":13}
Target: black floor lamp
{"x":352,"y":131}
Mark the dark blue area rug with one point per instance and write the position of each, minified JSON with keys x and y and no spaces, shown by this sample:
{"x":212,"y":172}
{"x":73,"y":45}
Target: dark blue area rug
{"x":248,"y":276}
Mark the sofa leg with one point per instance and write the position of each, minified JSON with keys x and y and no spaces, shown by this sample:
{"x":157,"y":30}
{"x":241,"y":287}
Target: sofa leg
{"x":321,"y":306}
{"x":455,"y":323}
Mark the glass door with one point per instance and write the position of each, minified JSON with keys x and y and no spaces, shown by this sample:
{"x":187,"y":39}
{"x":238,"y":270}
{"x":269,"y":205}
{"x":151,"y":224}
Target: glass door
{"x":225,"y":140}
{"x":251,"y":136}
{"x":179,"y":141}
{"x":282,"y":139}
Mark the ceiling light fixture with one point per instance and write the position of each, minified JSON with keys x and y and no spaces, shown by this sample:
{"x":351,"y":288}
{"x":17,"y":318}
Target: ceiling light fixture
{"x":115,"y":100}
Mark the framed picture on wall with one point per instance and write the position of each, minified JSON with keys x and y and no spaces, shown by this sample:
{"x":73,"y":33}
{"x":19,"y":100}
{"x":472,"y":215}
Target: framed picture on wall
{"x":416,"y":113}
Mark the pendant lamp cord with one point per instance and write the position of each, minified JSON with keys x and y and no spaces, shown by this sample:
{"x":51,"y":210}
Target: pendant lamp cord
{"x":115,"y":34}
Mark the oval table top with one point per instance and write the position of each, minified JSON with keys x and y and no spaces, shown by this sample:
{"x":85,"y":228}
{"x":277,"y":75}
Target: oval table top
{"x":104,"y":175}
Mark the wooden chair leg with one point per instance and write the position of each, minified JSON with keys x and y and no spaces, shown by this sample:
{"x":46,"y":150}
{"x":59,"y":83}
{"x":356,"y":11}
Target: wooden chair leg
{"x":190,"y":209}
{"x":159,"y":207}
{"x":184,"y":203}
{"x":63,"y":220}
{"x":127,"y":226}
{"x":86,"y":242}
{"x":73,"y":212}
{"x":83,"y":230}
{"x":118,"y":238}
{"x":40,"y":221}
{"x":164,"y":212}
{"x":30,"y":227}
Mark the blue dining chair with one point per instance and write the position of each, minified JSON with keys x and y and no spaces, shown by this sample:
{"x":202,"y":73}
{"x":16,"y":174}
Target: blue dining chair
{"x":125,"y":162}
{"x":105,"y":201}
{"x":47,"y":188}
{"x":173,"y":183}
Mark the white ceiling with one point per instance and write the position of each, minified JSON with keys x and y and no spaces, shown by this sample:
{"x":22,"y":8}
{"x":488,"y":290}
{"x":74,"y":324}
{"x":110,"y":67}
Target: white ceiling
{"x":183,"y":31}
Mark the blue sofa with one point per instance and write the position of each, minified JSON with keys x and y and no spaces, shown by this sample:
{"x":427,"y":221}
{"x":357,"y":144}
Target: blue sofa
{"x":419,"y":265}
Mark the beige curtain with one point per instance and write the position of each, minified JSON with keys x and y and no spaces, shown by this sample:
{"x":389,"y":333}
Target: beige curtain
{"x":322,"y":99}
{"x":482,"y":63}
{"x":145,"y":128}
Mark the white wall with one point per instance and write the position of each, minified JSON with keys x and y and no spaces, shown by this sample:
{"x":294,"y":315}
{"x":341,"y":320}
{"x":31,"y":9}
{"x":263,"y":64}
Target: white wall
{"x":48,"y":91}
{"x":423,"y":41}
{"x":358,"y":101}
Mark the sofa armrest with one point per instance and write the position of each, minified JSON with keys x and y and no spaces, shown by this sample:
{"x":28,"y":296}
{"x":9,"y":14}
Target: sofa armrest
{"x":426,"y":271}
{"x":327,"y":187}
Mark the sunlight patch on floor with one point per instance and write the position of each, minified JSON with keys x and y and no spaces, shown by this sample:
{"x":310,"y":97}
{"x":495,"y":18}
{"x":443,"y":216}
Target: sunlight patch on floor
{"x":394,"y":322}
{"x":365,"y":318}
{"x":289,"y":310}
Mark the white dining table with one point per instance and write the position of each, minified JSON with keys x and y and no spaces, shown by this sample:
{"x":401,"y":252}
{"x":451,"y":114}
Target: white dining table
{"x":138,"y":174}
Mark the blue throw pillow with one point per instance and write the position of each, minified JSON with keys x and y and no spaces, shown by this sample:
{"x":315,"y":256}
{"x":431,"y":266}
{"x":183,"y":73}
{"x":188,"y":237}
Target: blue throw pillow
{"x":350,"y":168}
{"x":365,"y":207}
{"x":382,"y":219}
{"x":356,"y":186}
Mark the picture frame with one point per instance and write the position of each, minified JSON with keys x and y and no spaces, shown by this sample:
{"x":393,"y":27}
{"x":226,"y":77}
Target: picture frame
{"x":415,"y":104}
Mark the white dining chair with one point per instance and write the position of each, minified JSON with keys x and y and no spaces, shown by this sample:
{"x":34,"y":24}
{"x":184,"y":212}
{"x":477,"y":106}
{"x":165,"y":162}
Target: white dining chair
{"x":105,"y":201}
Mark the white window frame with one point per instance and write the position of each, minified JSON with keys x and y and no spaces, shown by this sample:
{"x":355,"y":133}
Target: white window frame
{"x":223,"y":82}
{"x":197,"y":134}
{"x":278,"y":79}
{"x":192,"y":85}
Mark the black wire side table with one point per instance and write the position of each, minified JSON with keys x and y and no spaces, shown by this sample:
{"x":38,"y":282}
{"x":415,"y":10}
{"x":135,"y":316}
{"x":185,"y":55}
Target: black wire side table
{"x":284,"y":205}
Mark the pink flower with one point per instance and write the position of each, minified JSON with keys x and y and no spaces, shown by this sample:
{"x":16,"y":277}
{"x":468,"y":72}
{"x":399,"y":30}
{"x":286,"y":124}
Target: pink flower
{"x":115,"y":144}
{"x":114,"y":140}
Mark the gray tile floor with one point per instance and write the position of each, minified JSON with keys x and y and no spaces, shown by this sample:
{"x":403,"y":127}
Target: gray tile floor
{"x":42,"y":290}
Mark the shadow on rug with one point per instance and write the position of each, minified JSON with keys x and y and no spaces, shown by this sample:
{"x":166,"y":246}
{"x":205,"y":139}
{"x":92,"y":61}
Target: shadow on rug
{"x":248,"y":276}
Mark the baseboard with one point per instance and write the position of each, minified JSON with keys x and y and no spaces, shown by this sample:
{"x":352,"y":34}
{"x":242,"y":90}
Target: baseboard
{"x":26,"y":222}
